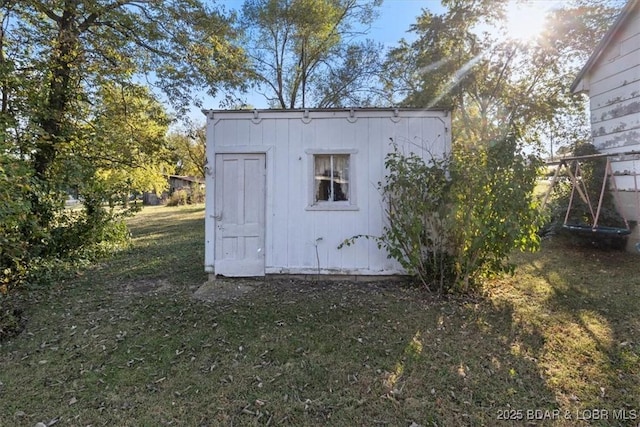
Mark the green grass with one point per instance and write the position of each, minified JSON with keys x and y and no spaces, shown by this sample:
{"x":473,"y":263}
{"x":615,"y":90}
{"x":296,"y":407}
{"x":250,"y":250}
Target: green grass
{"x":124,"y":343}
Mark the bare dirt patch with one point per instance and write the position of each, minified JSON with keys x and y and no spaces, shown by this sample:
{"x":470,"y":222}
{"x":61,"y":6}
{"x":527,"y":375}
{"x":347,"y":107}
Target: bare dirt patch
{"x":291,"y":291}
{"x":223,"y":290}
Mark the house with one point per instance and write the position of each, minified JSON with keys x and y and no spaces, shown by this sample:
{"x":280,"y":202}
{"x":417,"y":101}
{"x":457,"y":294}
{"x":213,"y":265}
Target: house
{"x":288,"y":186}
{"x":180,"y":182}
{"x":175,"y":183}
{"x":611,"y":78}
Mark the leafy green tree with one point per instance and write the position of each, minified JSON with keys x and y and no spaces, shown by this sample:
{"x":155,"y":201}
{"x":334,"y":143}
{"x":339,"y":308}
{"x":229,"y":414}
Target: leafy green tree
{"x":495,"y":84}
{"x":59,"y":56}
{"x":189,"y":150}
{"x":304,"y":53}
{"x":79,"y":112}
{"x":70,"y":47}
{"x":125,"y":148}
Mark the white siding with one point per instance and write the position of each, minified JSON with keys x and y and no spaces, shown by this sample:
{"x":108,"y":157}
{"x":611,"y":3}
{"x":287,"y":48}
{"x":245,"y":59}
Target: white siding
{"x":297,"y":237}
{"x":613,"y":85}
{"x":614,"y":91}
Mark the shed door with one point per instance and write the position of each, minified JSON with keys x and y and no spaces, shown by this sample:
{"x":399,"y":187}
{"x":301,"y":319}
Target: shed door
{"x":239,"y":201}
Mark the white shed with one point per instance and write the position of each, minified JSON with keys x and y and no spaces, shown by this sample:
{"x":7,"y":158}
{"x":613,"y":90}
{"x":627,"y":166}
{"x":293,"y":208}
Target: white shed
{"x":611,"y":78}
{"x":286,"y":187}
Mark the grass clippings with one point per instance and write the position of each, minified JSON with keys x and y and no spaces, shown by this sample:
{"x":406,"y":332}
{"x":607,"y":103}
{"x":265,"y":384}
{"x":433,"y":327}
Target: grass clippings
{"x":126,"y":343}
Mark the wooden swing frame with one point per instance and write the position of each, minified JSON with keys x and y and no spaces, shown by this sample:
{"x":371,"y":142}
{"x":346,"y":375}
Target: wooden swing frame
{"x":578,"y":185}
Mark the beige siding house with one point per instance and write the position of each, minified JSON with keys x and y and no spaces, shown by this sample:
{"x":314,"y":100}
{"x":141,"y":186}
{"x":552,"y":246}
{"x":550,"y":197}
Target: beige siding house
{"x":611,"y":79}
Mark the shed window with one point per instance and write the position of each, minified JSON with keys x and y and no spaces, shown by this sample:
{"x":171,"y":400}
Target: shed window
{"x":331,"y":177}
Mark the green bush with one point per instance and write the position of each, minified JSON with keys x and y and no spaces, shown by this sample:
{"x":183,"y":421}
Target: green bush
{"x":17,"y":224}
{"x":495,"y":208}
{"x":197,"y":194}
{"x":17,"y":228}
{"x":454,"y":221}
{"x":418,"y":228}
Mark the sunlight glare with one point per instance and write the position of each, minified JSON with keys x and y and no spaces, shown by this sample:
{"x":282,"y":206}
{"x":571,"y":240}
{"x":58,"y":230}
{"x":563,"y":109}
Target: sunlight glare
{"x":526,"y":20}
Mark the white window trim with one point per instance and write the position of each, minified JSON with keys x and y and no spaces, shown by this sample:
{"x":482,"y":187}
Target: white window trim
{"x":343,"y":205}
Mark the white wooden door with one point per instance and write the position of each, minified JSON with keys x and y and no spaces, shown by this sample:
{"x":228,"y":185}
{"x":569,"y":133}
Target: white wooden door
{"x":240,"y":206}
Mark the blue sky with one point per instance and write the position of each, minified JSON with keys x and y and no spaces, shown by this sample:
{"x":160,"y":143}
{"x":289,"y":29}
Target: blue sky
{"x":396,"y":16}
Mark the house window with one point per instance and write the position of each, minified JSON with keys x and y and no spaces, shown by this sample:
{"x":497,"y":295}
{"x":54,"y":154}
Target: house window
{"x":331,"y":185}
{"x":331,"y":177}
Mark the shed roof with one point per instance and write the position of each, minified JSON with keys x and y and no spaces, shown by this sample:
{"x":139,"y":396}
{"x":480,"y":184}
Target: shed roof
{"x":621,"y":20}
{"x":187,"y":178}
{"x":309,"y":113}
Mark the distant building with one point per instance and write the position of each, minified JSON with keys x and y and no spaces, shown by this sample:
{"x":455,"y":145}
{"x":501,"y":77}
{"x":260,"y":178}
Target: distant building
{"x":176,"y":182}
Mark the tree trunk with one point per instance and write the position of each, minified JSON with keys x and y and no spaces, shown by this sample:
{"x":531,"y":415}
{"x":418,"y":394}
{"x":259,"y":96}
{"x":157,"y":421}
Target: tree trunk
{"x":51,"y":119}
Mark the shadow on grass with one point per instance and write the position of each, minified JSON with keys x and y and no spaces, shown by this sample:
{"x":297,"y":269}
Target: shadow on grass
{"x":358,"y":354}
{"x":589,"y":318}
{"x":471,"y":366}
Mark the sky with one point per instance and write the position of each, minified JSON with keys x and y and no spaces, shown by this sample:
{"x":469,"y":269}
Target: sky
{"x":395,"y":18}
{"x":393,"y":22}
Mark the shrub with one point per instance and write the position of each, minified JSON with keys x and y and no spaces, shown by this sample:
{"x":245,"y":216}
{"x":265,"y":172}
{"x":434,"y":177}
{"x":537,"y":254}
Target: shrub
{"x":495,"y":208}
{"x":17,"y":224}
{"x":417,"y":203}
{"x":452,"y":222}
{"x":18,"y":227}
{"x":178,"y":198}
{"x":197,"y":193}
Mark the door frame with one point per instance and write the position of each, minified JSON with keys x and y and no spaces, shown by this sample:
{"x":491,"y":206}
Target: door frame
{"x":211,"y":222}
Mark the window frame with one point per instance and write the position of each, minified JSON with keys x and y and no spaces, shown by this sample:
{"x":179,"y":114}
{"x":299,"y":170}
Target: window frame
{"x":324,"y":205}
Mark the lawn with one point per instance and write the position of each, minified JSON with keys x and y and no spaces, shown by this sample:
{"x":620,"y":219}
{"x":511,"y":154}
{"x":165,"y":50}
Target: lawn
{"x":125,"y":343}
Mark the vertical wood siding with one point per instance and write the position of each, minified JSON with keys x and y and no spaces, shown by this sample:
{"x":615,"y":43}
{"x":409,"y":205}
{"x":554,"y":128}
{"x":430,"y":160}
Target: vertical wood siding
{"x":299,"y":240}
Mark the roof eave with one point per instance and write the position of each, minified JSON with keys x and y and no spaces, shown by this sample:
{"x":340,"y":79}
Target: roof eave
{"x":620,"y":21}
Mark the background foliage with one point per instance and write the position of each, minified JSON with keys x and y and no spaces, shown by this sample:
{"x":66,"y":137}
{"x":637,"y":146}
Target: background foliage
{"x":305,"y":53}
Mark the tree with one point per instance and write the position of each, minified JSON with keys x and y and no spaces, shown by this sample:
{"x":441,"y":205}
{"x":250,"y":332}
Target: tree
{"x":189,"y":151}
{"x":73,"y":49}
{"x":504,"y":94}
{"x":80,"y":84}
{"x":492,"y":83}
{"x":124,"y":149}
{"x":70,"y":47}
{"x":304,"y":53}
